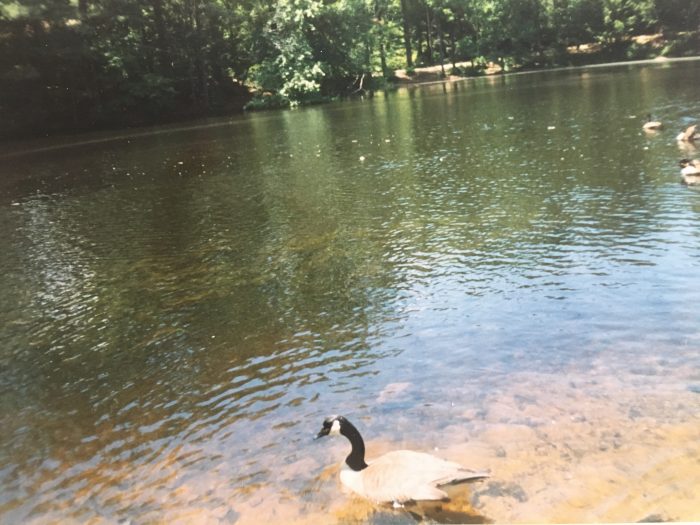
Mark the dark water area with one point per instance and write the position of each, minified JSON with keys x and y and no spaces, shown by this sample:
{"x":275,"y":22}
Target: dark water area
{"x":180,"y":309}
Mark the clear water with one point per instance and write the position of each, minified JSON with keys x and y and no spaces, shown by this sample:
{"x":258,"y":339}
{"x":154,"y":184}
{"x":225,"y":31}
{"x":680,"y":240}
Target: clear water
{"x":499,"y":269}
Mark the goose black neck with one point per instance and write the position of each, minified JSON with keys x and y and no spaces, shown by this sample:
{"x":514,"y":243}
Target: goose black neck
{"x":356,"y":458}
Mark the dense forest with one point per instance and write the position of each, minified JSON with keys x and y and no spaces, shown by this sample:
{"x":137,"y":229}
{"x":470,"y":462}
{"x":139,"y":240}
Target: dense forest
{"x":86,"y":64}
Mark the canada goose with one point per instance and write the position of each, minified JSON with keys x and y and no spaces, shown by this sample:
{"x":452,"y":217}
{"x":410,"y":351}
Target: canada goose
{"x":689,"y":135}
{"x":398,"y":476}
{"x":652,"y":125}
{"x":690,"y":171}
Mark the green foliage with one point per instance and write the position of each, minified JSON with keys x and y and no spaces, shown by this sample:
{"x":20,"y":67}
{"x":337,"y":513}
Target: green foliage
{"x":477,"y":69}
{"x":576,"y":21}
{"x":266,"y":76}
{"x":314,"y":41}
{"x":678,"y":15}
{"x":686,"y":44}
{"x":267,"y":101}
{"x":624,"y":18}
{"x":151,"y":91}
{"x":293,"y":72}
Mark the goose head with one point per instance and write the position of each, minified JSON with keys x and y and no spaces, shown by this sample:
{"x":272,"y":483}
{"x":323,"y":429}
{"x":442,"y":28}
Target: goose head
{"x":331,"y":427}
{"x":337,"y":426}
{"x":652,"y":125}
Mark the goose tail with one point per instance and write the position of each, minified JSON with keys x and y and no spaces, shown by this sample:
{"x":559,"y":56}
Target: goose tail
{"x":465,"y":475}
{"x":474,"y":475}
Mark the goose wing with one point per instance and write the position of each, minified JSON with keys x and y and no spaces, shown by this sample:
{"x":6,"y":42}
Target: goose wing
{"x":689,"y":134}
{"x":405,"y":475}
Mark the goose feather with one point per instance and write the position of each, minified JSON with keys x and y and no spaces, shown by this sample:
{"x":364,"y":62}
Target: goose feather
{"x":689,"y":135}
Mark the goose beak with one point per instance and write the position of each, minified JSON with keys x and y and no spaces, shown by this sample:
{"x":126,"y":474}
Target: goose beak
{"x":324,"y":432}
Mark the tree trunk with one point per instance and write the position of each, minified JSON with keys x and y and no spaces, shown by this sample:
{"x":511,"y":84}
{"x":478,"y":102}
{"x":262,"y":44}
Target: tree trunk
{"x":441,"y":48}
{"x":199,"y":78}
{"x":83,"y":9}
{"x":406,"y":35}
{"x":382,"y":59}
{"x":382,"y":48}
{"x":164,"y":62}
{"x":419,"y":41}
{"x":428,"y":32}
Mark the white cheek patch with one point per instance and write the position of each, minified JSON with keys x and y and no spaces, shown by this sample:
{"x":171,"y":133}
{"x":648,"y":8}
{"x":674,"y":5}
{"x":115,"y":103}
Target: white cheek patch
{"x":335,"y":429}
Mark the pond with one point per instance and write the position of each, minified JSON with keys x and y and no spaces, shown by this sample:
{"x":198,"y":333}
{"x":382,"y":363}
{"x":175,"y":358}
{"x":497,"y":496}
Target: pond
{"x":501,"y":271}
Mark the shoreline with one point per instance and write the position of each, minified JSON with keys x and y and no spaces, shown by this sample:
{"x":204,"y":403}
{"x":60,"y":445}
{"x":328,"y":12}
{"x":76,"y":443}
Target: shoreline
{"x":18,"y":148}
{"x":455,"y":78}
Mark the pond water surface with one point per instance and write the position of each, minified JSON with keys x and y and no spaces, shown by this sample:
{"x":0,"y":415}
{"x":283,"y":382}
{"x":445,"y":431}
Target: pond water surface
{"x":503,"y":271}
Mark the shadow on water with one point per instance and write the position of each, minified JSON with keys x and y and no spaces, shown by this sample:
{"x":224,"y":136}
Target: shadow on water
{"x":423,"y":513}
{"x":457,"y":509}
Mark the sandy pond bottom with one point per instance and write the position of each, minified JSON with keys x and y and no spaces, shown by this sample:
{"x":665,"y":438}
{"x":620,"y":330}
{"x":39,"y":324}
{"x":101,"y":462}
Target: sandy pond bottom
{"x":614,"y":442}
{"x":600,"y":445}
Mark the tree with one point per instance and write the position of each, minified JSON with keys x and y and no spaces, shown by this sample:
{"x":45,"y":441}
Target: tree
{"x":678,"y":15}
{"x":576,"y":22}
{"x":624,"y":18}
{"x":406,"y":27}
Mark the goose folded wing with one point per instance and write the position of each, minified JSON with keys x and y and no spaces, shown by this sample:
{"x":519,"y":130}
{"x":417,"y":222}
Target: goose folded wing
{"x":405,"y":475}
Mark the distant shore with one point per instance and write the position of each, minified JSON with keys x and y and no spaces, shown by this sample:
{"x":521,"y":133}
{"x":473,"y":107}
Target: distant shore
{"x":584,"y":56}
{"x":429,"y":77}
{"x":423,"y":76}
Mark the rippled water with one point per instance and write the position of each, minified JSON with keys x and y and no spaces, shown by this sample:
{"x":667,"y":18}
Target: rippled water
{"x":445,"y":265}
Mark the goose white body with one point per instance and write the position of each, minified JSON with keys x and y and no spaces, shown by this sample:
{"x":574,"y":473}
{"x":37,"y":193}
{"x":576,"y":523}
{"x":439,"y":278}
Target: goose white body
{"x":690,"y":171}
{"x":405,"y":475}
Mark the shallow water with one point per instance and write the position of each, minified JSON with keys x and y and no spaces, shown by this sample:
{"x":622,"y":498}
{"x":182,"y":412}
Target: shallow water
{"x":507,"y":279}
